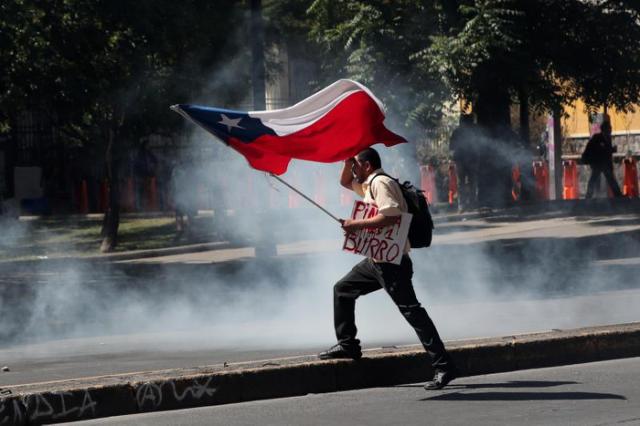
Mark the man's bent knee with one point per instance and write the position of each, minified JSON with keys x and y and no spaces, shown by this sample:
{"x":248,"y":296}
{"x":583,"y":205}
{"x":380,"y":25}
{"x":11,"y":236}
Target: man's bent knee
{"x":338,"y":287}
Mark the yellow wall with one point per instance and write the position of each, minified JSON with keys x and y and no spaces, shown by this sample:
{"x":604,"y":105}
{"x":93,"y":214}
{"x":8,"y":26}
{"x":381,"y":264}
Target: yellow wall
{"x":577,"y":122}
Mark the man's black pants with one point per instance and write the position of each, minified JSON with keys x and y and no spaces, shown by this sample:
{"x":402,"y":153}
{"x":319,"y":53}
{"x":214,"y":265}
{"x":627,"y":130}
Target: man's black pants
{"x":368,"y":276}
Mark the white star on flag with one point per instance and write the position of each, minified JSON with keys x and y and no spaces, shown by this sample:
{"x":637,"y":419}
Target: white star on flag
{"x":230,"y":122}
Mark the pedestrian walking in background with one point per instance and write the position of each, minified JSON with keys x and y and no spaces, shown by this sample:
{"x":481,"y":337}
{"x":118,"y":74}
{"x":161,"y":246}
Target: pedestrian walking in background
{"x":598,"y":154}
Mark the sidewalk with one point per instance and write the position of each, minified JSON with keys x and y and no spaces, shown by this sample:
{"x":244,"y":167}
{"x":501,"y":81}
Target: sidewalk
{"x":556,"y":218}
{"x":534,"y":212}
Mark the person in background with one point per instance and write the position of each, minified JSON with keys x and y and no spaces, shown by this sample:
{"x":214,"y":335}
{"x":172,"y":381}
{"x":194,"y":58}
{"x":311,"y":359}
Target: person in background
{"x":598,"y":154}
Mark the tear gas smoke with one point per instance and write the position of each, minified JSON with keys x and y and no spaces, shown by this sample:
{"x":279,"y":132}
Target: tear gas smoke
{"x":469,"y":289}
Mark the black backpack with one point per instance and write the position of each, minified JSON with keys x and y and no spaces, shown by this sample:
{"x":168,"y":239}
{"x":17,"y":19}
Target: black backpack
{"x":421,"y":228}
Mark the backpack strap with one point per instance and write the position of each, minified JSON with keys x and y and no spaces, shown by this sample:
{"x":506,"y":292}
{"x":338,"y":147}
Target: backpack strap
{"x":373,"y":178}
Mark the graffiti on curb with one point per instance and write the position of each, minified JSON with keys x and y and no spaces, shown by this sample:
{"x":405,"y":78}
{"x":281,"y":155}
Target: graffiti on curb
{"x":57,"y":405}
{"x":150,"y":392}
{"x":151,"y":395}
{"x":11,"y":412}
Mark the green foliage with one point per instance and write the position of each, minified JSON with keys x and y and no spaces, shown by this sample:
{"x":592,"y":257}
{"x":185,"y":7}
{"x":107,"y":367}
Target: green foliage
{"x":609,"y":69}
{"x":111,"y":65}
{"x":486,"y":48}
{"x":375,"y":42}
{"x":556,"y":50}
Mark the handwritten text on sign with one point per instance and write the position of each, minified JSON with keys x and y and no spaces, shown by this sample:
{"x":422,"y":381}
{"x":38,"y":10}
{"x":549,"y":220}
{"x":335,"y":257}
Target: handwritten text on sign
{"x":382,"y":244}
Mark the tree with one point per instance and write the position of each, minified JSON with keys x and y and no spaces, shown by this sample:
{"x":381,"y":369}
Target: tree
{"x":106,"y":71}
{"x":376,"y":43}
{"x":545,"y":53}
{"x":555,"y":50}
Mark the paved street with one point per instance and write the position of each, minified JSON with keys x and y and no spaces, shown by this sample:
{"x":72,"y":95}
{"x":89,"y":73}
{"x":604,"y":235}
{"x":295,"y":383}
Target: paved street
{"x":603,"y":393}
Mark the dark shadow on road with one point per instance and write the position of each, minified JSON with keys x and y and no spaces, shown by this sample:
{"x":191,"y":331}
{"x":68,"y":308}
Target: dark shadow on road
{"x":513,"y":384}
{"x":510,"y":384}
{"x":445,"y":229}
{"x":523,"y":396}
{"x":616,"y":222}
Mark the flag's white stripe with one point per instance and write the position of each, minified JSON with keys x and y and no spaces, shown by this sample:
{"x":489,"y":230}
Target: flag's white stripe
{"x":286,"y":126}
{"x":308,"y":111}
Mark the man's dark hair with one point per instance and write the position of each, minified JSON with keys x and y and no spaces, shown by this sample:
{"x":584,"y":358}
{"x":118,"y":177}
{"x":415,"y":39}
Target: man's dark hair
{"x":605,"y":126}
{"x":370,"y":155}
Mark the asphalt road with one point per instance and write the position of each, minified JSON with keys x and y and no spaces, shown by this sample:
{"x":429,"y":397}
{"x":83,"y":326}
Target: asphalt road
{"x":603,"y":393}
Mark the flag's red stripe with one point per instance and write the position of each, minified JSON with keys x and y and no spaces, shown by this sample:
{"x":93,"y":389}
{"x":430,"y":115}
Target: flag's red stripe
{"x":351,"y":126}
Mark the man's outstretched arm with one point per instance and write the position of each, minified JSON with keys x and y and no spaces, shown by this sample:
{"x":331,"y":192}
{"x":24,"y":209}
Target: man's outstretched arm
{"x":378,"y":221}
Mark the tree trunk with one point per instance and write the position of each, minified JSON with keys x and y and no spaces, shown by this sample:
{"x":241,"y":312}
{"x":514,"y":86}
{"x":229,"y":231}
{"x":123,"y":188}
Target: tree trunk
{"x":525,"y":162}
{"x":557,"y":152}
{"x":257,"y":55}
{"x":451,"y":15}
{"x":524,"y":117}
{"x":11,"y":159}
{"x":111,"y":220}
{"x":495,"y":161}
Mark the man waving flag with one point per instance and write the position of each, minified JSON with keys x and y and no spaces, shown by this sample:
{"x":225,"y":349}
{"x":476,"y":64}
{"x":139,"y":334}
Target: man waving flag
{"x":332,"y":125}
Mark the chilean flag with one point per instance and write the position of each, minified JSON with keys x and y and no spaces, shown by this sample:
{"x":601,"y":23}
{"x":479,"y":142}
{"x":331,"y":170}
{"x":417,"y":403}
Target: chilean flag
{"x":332,"y":125}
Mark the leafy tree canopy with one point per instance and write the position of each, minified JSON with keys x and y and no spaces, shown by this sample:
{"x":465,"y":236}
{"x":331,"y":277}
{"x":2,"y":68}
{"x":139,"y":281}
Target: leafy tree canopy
{"x":557,"y":50}
{"x":375,"y":42}
{"x":112,"y":64}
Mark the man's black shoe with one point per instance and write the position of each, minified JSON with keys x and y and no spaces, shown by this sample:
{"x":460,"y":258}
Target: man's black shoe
{"x":441,"y":379}
{"x":337,"y":351}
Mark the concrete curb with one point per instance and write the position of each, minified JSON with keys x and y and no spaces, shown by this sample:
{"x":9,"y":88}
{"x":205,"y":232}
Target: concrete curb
{"x":169,"y":251}
{"x":128,"y":255}
{"x":70,"y":400}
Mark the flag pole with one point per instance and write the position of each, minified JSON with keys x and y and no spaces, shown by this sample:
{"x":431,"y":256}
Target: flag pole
{"x":305,"y":197}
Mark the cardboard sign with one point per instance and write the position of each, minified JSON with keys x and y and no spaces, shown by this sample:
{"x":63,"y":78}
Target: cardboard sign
{"x":382,"y":244}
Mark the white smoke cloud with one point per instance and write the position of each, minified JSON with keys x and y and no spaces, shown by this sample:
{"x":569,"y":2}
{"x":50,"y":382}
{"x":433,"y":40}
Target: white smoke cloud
{"x":469,"y":290}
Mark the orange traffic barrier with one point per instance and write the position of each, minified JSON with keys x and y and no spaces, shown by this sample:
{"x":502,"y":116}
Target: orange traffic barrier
{"x":251,"y":200}
{"x":129,"y":196}
{"x":346,"y":197}
{"x":294,"y":199}
{"x":453,"y":183}
{"x":274,"y":196}
{"x":319,"y":195}
{"x":630,"y":180}
{"x":83,"y":198}
{"x":516,"y":182}
{"x":428,"y":183}
{"x":570,"y":180}
{"x":152,"y":194}
{"x":202,"y":202}
{"x":541,"y":176}
{"x":104,"y":196}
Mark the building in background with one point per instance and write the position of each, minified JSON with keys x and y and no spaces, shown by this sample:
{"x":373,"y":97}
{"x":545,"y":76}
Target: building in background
{"x":578,"y":125}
